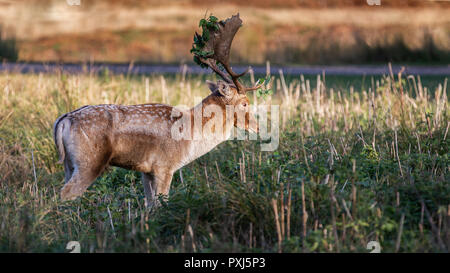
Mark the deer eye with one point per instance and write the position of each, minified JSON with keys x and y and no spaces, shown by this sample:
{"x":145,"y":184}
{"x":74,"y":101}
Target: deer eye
{"x":244,"y":104}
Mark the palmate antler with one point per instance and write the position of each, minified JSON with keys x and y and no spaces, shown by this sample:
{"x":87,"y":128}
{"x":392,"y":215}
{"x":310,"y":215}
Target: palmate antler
{"x":215,"y":49}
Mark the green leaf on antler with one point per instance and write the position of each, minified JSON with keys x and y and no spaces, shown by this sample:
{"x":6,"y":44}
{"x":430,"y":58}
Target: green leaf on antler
{"x":263,"y":92}
{"x":264,"y":81}
{"x":223,"y":32}
{"x":198,"y":47}
{"x":202,"y":22}
{"x":205,"y":35}
{"x":213,"y":19}
{"x":217,"y":37}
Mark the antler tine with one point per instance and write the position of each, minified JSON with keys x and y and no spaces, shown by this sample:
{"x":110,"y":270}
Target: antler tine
{"x":235,"y":78}
{"x":210,"y":63}
{"x":256,"y":87}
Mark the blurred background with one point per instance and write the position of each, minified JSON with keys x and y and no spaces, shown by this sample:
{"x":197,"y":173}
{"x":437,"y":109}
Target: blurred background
{"x":281,"y":31}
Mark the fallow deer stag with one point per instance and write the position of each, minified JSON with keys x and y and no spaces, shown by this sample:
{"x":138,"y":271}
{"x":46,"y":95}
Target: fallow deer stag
{"x":139,"y":137}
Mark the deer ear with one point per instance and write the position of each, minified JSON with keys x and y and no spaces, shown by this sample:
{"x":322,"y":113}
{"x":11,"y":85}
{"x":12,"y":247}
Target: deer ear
{"x":224,"y":89}
{"x":212,"y":86}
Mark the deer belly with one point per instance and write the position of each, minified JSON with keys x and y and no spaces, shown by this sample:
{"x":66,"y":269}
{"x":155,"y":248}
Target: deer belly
{"x":139,"y":155}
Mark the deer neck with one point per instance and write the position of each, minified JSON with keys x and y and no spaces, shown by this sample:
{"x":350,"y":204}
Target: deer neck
{"x":205,"y":137}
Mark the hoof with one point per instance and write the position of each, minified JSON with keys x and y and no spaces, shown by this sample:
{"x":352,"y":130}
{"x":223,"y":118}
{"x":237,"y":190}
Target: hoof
{"x":68,"y":193}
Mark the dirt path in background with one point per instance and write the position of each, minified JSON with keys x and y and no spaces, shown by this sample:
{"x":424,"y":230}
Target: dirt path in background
{"x":174,"y":69}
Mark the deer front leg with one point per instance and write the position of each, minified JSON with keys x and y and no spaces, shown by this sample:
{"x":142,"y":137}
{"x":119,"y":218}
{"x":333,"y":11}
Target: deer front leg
{"x":155,"y":184}
{"x":148,"y":179}
{"x":163,"y":181}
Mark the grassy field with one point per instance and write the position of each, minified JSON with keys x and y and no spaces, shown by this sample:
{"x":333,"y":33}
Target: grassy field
{"x":358,"y":161}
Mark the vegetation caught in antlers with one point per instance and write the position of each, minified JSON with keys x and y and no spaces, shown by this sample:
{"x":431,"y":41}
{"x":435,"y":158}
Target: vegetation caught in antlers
{"x":212,"y":49}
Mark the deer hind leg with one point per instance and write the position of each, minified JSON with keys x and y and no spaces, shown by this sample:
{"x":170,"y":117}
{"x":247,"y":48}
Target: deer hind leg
{"x":68,"y":169}
{"x":76,"y":185}
{"x":82,"y":177}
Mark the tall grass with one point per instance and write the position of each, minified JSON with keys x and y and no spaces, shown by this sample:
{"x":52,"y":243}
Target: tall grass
{"x":353,"y":166}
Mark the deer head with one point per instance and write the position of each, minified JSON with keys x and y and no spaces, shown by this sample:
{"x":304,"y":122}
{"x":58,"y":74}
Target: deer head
{"x":212,"y":49}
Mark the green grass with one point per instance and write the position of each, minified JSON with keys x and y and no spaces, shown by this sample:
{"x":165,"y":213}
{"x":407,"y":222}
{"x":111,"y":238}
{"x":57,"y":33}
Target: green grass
{"x":350,"y":166}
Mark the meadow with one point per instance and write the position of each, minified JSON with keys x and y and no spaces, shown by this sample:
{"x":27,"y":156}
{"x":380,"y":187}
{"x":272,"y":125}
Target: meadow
{"x":357,"y":162}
